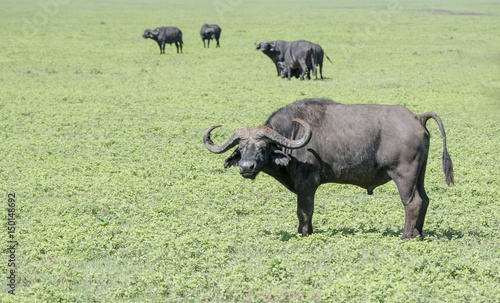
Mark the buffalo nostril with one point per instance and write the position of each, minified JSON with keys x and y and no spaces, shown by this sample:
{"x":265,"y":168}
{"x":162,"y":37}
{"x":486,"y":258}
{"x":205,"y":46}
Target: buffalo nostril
{"x":247,"y":166}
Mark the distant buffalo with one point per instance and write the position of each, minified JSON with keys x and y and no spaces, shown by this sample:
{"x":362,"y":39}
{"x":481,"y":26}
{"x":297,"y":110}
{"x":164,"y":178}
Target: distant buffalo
{"x":318,"y":54}
{"x":164,"y":35}
{"x":300,"y":55}
{"x":209,"y":32}
{"x":275,"y":50}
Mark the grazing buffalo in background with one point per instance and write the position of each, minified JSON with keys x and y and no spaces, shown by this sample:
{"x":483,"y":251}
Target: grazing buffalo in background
{"x":299,"y":55}
{"x":164,"y":35}
{"x":209,"y":32}
{"x":318,"y":54}
{"x":364,"y":145}
{"x":275,"y":50}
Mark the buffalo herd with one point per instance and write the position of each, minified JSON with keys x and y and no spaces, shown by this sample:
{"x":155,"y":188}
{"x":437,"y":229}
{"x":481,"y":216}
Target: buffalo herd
{"x":317,"y":141}
{"x":172,"y":34}
{"x":292,"y":59}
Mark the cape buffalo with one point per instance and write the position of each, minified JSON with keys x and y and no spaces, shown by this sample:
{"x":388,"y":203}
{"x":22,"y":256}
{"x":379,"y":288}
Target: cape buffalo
{"x":300,"y":55}
{"x":164,"y":35}
{"x":275,"y":50}
{"x":316,"y":141}
{"x":209,"y":32}
{"x":318,"y":54}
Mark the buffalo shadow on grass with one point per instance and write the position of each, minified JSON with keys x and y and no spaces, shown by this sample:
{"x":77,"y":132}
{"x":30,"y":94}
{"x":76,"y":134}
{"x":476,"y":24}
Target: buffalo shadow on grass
{"x":285,"y":236}
{"x":449,"y":234}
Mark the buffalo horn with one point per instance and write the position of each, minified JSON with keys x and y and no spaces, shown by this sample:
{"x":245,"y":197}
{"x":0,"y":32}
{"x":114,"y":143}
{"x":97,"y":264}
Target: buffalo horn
{"x":218,"y":149}
{"x":285,"y":142}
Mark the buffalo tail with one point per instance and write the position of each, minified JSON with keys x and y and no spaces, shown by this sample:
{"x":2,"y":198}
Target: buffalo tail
{"x":447,"y":164}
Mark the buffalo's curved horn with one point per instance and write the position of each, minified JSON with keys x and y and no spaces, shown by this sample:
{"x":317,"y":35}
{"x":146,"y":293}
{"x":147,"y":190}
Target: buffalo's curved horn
{"x":218,"y":149}
{"x":285,"y":142}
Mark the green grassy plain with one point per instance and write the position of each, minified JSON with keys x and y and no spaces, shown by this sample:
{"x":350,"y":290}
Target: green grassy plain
{"x":117,"y":199}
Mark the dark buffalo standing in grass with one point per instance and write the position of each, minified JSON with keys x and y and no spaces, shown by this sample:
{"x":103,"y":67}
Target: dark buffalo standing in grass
{"x":209,"y":32}
{"x":275,"y":50}
{"x":163,"y":35}
{"x":316,"y":141}
{"x":300,"y":55}
{"x":318,"y":55}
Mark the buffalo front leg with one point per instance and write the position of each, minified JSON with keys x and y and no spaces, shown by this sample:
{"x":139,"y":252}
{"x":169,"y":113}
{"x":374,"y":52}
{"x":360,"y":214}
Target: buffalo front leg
{"x":305,"y":209}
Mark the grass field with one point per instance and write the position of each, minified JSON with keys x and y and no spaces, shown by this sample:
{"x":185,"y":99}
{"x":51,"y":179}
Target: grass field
{"x":117,"y":199}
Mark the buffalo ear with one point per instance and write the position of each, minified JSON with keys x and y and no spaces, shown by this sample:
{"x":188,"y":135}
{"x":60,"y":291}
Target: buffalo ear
{"x":272,"y":46}
{"x":233,"y":160}
{"x":280,"y":158}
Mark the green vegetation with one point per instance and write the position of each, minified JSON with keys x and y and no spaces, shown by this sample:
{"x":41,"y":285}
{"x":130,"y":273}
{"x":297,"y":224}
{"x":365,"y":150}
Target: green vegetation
{"x":118,"y":200}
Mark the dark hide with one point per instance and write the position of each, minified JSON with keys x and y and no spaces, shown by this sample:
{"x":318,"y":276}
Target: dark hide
{"x":209,"y":32}
{"x":163,"y":35}
{"x":364,"y":145}
{"x":275,"y":50}
{"x":295,"y":72}
{"x":318,"y":54}
{"x":299,"y":55}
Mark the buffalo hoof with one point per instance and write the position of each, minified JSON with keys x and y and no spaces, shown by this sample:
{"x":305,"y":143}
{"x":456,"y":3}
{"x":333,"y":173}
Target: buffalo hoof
{"x":305,"y":231}
{"x":410,"y":235}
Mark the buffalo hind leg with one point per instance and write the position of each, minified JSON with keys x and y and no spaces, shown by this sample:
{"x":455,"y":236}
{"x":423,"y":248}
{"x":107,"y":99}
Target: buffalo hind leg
{"x":315,"y":71}
{"x":303,"y":67}
{"x":415,"y":202}
{"x":425,"y":200}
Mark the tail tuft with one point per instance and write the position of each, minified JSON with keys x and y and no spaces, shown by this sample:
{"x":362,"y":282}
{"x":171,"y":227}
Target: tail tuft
{"x":448,"y":169}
